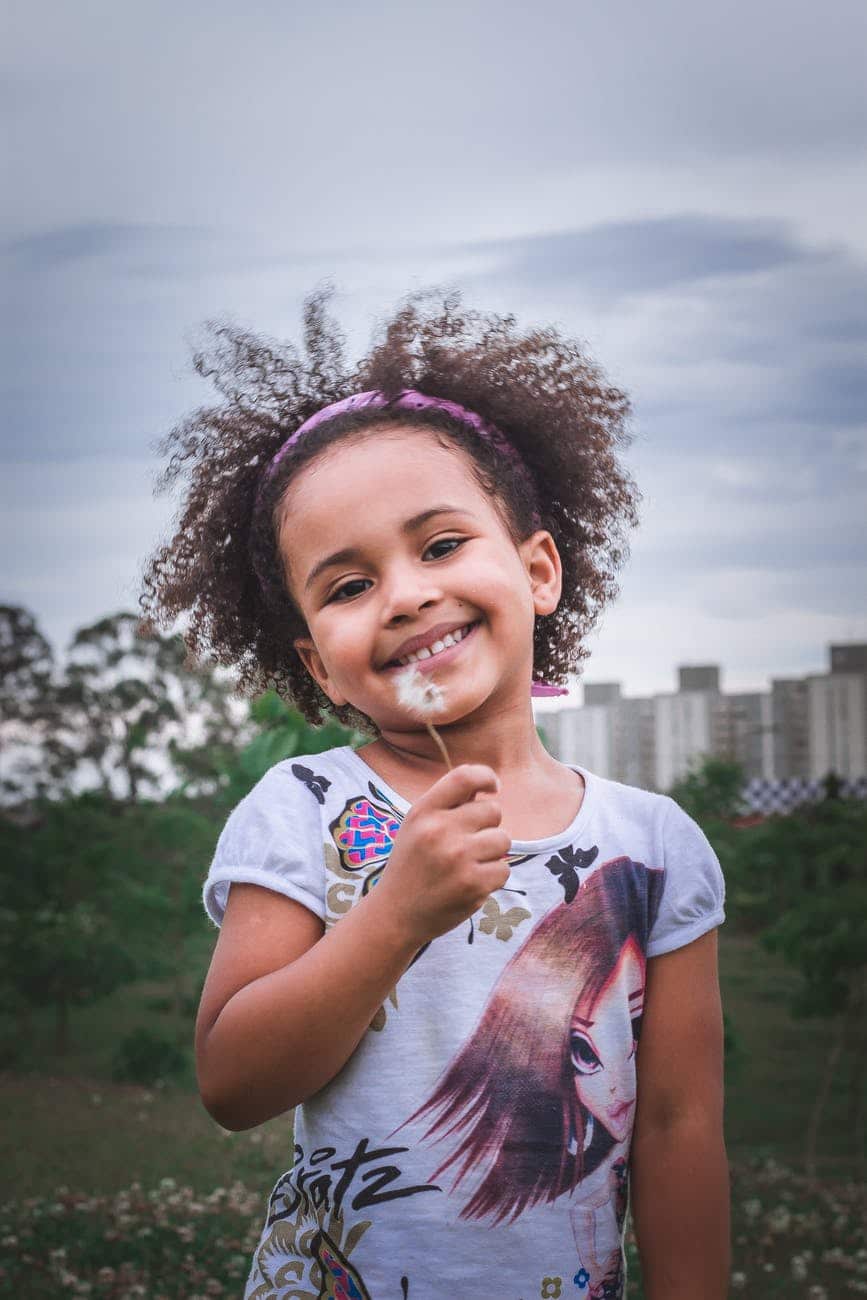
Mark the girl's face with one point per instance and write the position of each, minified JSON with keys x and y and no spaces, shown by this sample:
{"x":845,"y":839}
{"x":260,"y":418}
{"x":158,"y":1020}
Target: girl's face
{"x":391,"y":546}
{"x":603,"y":1038}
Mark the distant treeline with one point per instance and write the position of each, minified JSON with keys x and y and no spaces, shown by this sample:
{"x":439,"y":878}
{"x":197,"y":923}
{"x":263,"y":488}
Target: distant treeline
{"x":119,"y":766}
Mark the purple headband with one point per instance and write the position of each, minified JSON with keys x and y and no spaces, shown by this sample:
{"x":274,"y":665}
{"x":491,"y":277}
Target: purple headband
{"x":409,"y":399}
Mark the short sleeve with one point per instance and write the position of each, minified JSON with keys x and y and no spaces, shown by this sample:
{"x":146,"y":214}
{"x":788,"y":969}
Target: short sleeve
{"x":271,"y":838}
{"x":693,"y":895}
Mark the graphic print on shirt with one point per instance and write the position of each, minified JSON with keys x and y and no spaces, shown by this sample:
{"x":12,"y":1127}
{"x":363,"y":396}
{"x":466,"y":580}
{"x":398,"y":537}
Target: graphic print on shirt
{"x":566,"y":864}
{"x":363,"y":835}
{"x":307,"y":1259}
{"x":303,"y":1253}
{"x":317,"y":785}
{"x":540,"y":1100}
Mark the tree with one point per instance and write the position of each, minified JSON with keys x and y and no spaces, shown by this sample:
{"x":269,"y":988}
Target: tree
{"x":60,"y":885}
{"x":166,"y":850}
{"x":823,"y":934}
{"x":711,"y":790}
{"x":282,"y":733}
{"x":28,"y":706}
{"x":138,"y":716}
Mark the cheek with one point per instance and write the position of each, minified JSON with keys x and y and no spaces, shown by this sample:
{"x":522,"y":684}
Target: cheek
{"x":591,"y":1091}
{"x":499,"y":585}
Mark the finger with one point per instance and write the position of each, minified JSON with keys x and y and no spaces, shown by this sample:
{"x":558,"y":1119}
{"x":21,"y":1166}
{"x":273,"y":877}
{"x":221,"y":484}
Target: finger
{"x":461,"y":785}
{"x":495,"y":875}
{"x":490,"y":845}
{"x":477,"y":815}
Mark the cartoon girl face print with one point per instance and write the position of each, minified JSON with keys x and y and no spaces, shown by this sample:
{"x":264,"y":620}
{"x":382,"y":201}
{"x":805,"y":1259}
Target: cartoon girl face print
{"x":602,"y":1041}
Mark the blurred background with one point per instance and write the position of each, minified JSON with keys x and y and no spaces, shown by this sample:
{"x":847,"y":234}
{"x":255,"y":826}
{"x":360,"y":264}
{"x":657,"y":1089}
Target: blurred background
{"x":681,"y":187}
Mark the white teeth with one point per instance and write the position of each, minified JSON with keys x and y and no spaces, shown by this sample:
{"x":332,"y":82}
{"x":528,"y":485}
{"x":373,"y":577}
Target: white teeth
{"x":450,"y":639}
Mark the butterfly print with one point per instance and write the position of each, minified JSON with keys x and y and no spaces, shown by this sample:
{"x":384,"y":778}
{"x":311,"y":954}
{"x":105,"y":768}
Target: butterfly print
{"x":566,"y":864}
{"x":502,"y":924}
{"x":317,"y":785}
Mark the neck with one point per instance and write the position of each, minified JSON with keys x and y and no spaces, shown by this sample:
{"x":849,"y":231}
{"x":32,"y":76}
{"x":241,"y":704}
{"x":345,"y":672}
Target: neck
{"x":507,"y":741}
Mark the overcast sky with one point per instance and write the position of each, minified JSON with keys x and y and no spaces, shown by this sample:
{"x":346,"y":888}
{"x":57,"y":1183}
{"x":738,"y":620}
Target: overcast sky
{"x":682,"y":186}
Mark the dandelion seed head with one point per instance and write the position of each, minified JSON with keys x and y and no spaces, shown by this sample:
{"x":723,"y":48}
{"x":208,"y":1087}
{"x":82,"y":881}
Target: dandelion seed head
{"x":418,"y":694}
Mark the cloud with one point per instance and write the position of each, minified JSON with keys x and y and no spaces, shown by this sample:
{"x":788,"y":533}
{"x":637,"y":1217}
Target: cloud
{"x":678,"y":184}
{"x":639,"y":257}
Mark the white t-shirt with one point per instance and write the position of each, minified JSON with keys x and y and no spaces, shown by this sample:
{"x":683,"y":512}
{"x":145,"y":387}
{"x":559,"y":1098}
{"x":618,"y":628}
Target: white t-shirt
{"x":476,"y":1143}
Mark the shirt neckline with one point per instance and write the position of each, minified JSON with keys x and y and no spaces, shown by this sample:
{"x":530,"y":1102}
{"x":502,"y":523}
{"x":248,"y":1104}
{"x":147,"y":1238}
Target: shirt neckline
{"x":576,"y":827}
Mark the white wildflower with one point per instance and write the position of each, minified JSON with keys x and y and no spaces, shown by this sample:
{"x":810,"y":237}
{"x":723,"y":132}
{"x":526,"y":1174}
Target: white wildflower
{"x":779,"y":1220}
{"x":423,"y":698}
{"x":418,"y":694}
{"x":799,"y":1268}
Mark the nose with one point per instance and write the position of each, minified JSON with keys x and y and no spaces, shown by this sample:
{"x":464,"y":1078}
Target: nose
{"x":408,"y":588}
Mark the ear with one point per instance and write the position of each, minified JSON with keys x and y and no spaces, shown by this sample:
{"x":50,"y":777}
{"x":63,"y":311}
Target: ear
{"x":542,"y":562}
{"x":312,"y":661}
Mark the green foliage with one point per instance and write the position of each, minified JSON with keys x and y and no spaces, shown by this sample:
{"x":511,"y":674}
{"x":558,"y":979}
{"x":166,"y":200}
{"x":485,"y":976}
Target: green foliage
{"x":732,"y":1046}
{"x":63,"y":954}
{"x":144,"y":1057}
{"x":59,"y":876}
{"x":711,"y":790}
{"x":789,"y":863}
{"x":800,"y":883}
{"x":94,"y":893}
{"x":282,"y":733}
{"x":29,"y":712}
{"x":10,"y":1042}
{"x":164,"y":849}
{"x":131,"y":700}
{"x":825,"y":939}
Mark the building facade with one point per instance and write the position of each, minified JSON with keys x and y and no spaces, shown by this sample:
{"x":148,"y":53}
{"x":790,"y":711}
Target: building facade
{"x":798,"y":731}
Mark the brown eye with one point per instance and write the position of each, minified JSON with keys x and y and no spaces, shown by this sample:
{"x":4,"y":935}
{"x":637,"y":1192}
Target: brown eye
{"x":349,"y":589}
{"x":445,"y":546}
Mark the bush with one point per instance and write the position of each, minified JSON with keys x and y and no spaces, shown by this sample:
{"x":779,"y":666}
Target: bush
{"x":10,"y":1043}
{"x":145,"y":1057}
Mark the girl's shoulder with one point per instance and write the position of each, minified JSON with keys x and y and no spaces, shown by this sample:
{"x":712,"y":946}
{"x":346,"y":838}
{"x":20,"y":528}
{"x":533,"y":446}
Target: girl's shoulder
{"x":307,"y":778}
{"x":640,"y":807}
{"x":653,"y":829}
{"x":274,"y":835}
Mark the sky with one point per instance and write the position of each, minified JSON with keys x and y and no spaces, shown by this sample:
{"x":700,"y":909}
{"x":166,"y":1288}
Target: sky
{"x":683,"y":187}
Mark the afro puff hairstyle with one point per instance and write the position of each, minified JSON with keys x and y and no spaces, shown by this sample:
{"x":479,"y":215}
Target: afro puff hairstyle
{"x":222,"y":571}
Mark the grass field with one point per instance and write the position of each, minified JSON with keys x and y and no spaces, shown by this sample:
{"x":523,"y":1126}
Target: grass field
{"x":90,"y":1159}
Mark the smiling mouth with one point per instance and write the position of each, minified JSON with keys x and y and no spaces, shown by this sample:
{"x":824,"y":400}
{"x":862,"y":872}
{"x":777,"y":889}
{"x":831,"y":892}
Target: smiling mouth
{"x":438,"y":647}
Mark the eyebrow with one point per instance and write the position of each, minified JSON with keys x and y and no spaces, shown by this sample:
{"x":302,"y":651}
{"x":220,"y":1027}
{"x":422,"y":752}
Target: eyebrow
{"x":350,"y":553}
{"x":579,"y":1020}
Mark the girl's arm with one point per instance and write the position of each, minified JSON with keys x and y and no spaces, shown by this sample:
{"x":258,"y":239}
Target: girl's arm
{"x":680,"y":1191}
{"x":284,"y":1006}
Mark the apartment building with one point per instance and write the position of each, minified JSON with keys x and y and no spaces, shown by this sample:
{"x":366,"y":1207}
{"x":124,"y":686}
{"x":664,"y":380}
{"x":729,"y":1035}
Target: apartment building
{"x":800,"y":729}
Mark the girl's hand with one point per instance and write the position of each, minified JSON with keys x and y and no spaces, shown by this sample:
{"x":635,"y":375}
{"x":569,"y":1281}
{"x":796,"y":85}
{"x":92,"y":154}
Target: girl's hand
{"x":448,"y":855}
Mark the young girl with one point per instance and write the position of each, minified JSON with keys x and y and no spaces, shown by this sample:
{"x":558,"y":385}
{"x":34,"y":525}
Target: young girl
{"x":445,"y":971}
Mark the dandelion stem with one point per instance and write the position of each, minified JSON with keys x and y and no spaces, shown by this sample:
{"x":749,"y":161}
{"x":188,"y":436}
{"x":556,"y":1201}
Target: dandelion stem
{"x":440,"y":744}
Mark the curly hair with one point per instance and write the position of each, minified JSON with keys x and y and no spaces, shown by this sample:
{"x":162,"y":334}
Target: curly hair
{"x":551,"y":401}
